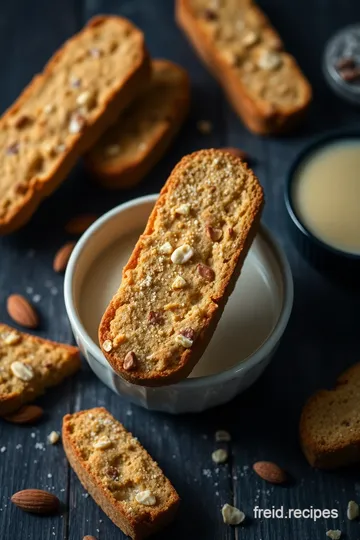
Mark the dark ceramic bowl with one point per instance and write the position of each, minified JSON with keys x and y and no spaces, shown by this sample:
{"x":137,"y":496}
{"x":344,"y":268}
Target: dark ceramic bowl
{"x":341,"y":265}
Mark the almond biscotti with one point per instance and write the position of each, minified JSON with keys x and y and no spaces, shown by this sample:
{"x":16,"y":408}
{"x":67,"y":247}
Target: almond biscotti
{"x":140,"y":137}
{"x":64,"y":110}
{"x":183,"y":269}
{"x":29,"y":365}
{"x":118,"y":473}
{"x":330,"y":423}
{"x":242,"y":50}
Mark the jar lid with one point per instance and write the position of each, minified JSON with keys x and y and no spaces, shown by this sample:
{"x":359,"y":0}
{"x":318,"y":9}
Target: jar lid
{"x":341,"y":63}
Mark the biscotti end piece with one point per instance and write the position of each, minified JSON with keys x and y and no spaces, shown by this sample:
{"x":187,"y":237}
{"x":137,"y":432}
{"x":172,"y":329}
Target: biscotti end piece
{"x":29,"y":365}
{"x":183,"y":269}
{"x":64,"y":110}
{"x":142,"y":134}
{"x":243,"y":51}
{"x":118,"y":473}
{"x":330,"y":423}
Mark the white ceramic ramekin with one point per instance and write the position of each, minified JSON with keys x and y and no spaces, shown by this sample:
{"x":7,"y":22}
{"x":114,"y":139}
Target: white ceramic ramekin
{"x":192,"y":394}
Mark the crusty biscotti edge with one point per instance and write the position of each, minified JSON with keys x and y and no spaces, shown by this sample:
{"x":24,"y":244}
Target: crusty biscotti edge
{"x":111,"y":109}
{"x":125,"y":176}
{"x":260,"y":120}
{"x":189,"y":357}
{"x":326,"y":458}
{"x":136,"y":530}
{"x":10,"y":403}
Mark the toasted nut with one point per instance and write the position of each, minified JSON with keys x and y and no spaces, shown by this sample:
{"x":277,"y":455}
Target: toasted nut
{"x":130,"y":361}
{"x":87,"y":537}
{"x":269,"y":60}
{"x":87,"y":99}
{"x":219,"y":456}
{"x":222,"y":436}
{"x":27,"y":414}
{"x":53,"y":437}
{"x":250,"y":39}
{"x":178,"y":283}
{"x":12,"y":339}
{"x":102,"y":443}
{"x":62,"y":257}
{"x":184,"y":341}
{"x":107,"y":345}
{"x":352,"y":510}
{"x":166,"y":249}
{"x":36,"y":501}
{"x":155,"y":317}
{"x":79,"y":224}
{"x":182,"y":254}
{"x":22,"y":371}
{"x":21,"y":311}
{"x":206,"y":272}
{"x":146,"y":498}
{"x":334,"y":534}
{"x":214,"y":234}
{"x":232,"y":515}
{"x":270,"y":472}
{"x":183,"y":210}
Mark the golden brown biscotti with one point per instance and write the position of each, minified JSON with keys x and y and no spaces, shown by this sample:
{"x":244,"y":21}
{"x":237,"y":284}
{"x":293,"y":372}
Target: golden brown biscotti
{"x":183,"y":269}
{"x":242,"y":50}
{"x":142,"y":134}
{"x":64,"y":110}
{"x":29,"y":365}
{"x":118,"y":473}
{"x":330,"y":423}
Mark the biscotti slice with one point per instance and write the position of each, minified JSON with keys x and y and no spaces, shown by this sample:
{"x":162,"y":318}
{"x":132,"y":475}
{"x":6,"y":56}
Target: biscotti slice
{"x":330,"y":423}
{"x":29,"y":365}
{"x":118,"y":473}
{"x":183,"y":269}
{"x":140,"y":137}
{"x":242,"y":50}
{"x":64,"y":110}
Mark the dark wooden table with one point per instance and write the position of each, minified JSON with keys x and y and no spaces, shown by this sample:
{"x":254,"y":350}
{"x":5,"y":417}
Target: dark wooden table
{"x":322,"y":338}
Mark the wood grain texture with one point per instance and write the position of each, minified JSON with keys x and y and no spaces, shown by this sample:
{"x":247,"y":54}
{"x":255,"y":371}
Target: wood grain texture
{"x":322,"y":338}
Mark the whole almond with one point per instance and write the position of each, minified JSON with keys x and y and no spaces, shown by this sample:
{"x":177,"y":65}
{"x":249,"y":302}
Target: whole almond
{"x":21,"y":311}
{"x":244,"y":156}
{"x":62,"y":257}
{"x":269,"y":471}
{"x":88,"y":537}
{"x":78,"y":224}
{"x":27,"y":414}
{"x":36,"y":501}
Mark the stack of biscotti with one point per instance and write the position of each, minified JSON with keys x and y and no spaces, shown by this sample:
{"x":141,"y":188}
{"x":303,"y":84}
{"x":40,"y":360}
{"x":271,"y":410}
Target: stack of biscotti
{"x":29,"y":365}
{"x":64,"y":110}
{"x":118,"y":473}
{"x":242,"y":50}
{"x":141,"y":135}
{"x":183,"y":269}
{"x":330,"y":423}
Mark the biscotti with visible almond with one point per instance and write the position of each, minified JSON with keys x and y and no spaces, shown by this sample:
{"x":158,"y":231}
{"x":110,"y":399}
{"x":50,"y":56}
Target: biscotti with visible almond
{"x":330,"y":423}
{"x":242,"y":50}
{"x":118,"y":473}
{"x":183,"y":269}
{"x":29,"y":365}
{"x":64,"y":110}
{"x":142,"y":134}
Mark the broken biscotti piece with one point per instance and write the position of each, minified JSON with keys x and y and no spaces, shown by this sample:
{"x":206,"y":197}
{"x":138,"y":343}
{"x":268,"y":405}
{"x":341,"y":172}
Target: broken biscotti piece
{"x":138,"y":140}
{"x":330,"y":423}
{"x":29,"y":365}
{"x":119,"y":474}
{"x":242,"y":50}
{"x":64,"y":110}
{"x":183,"y":269}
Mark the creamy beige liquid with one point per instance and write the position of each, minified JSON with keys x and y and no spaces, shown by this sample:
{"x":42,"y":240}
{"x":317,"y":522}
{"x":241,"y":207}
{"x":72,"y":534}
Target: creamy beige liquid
{"x":249,"y":316}
{"x":326,"y":195}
